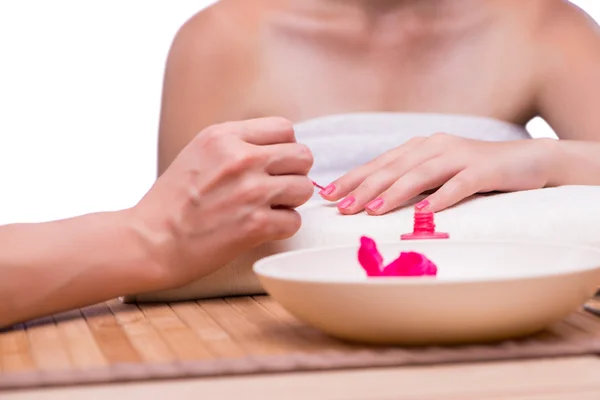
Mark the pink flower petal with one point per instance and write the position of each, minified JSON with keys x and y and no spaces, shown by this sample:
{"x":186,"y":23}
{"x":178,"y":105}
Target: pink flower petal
{"x":409,"y":263}
{"x":369,"y":257}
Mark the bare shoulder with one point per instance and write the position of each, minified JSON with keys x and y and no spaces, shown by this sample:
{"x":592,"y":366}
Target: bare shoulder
{"x":565,"y":30}
{"x":217,"y":35}
{"x":566,"y":25}
{"x":210,"y":68}
{"x":567,"y":42}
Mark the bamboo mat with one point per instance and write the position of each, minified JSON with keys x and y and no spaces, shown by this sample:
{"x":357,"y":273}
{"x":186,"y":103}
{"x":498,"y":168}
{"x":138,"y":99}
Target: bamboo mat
{"x":115,"y":342}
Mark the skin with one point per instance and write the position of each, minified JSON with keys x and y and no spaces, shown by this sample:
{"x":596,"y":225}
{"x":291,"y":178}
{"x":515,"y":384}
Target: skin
{"x":234,"y":186}
{"x":504,"y":59}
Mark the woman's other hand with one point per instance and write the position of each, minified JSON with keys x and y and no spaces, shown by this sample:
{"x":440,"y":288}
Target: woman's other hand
{"x":233,"y":187}
{"x":456,"y":166}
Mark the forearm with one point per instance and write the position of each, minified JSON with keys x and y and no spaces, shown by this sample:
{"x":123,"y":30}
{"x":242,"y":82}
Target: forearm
{"x":575,"y":163}
{"x":55,"y":266}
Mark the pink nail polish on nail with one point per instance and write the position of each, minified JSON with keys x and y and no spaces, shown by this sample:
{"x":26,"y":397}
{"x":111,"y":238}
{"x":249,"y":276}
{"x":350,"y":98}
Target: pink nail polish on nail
{"x":327,"y":190}
{"x":375,"y":204}
{"x":422,"y":204}
{"x":347,"y":202}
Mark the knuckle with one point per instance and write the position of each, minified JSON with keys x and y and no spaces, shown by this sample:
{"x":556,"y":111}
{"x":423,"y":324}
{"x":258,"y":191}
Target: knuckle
{"x":228,"y":128}
{"x":377,"y":180}
{"x":213,"y":132}
{"x":214,"y":140}
{"x":367,"y":185}
{"x":461,"y":183}
{"x":416,"y":140}
{"x":257,"y":223}
{"x":440,"y":137}
{"x":251,"y":191}
{"x":280,"y":122}
{"x":283,"y":125}
{"x":426,"y":171}
{"x":194,"y":194}
{"x":243,"y":160}
{"x":222,"y":132}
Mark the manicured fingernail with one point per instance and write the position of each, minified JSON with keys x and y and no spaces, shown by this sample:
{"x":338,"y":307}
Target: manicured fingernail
{"x":375,"y":204}
{"x":347,"y":202}
{"x":422,"y":205}
{"x":327,"y":190}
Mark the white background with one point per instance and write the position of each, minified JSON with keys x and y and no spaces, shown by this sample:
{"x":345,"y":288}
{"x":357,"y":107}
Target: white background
{"x":80,"y":86}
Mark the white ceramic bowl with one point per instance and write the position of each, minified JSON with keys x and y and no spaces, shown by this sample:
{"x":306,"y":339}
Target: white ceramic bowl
{"x":484,"y":291}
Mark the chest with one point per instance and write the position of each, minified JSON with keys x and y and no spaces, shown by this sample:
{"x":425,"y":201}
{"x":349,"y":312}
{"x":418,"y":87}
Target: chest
{"x":303,"y":79}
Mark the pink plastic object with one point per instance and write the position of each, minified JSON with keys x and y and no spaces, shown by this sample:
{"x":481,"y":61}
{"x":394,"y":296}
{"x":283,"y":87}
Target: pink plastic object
{"x":424,"y":228}
{"x":407,"y":264}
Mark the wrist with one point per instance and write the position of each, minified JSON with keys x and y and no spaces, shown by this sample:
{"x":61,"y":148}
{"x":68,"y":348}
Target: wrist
{"x":155,"y":244}
{"x":143,"y":255}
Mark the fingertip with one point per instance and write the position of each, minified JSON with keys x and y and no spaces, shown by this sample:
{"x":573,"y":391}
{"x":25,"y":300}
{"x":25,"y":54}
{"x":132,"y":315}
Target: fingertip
{"x":330,"y":192}
{"x":374,"y":212}
{"x":431,"y":204}
{"x":424,"y":205}
{"x":349,"y":205}
{"x":349,"y":211}
{"x":376,"y":206}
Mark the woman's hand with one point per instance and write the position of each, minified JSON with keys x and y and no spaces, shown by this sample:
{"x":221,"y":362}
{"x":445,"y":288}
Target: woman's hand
{"x":233,"y":187}
{"x":459,"y":167}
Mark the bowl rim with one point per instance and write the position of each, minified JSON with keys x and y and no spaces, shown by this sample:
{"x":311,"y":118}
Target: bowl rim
{"x":260,"y":266}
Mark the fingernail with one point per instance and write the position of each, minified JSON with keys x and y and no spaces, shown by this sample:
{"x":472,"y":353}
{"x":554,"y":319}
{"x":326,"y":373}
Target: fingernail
{"x":347,"y":202}
{"x":422,"y":204}
{"x":375,"y":204}
{"x":328,"y":190}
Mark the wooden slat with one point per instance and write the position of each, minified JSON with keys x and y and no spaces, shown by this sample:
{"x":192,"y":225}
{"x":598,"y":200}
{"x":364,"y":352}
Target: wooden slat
{"x":109,"y":336}
{"x":216,"y":339}
{"x":271,"y":328}
{"x":248,"y":335}
{"x":14,"y":350}
{"x":182,"y":340}
{"x":83,"y":350}
{"x":47,"y":348}
{"x":144,"y":338}
{"x":277,"y":310}
{"x":317,"y":338}
{"x":297,"y":336}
